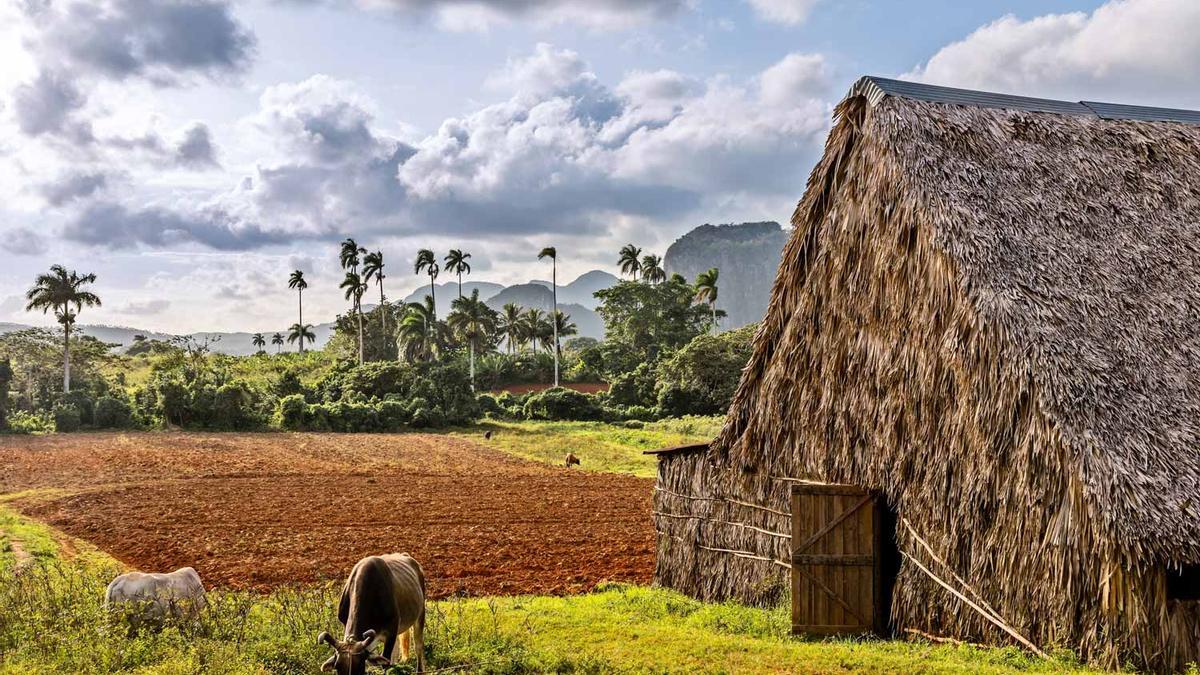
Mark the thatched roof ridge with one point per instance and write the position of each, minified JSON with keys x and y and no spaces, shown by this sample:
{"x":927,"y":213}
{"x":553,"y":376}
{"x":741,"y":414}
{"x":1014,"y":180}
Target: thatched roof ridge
{"x":1076,"y":234}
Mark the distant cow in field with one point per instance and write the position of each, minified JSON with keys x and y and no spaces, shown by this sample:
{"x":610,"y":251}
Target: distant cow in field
{"x":154,"y":597}
{"x":571,"y":460}
{"x":383,"y":597}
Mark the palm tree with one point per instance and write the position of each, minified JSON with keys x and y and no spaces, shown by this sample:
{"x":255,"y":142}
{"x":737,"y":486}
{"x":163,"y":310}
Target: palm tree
{"x":427,"y":263}
{"x":355,"y":287}
{"x":61,"y":290}
{"x":629,"y":260}
{"x":302,"y":332}
{"x":475,"y":321}
{"x":277,"y":340}
{"x":373,"y":270}
{"x":259,"y":341}
{"x":511,"y":326}
{"x":297,"y":282}
{"x":552,"y":253}
{"x":456,"y":263}
{"x":531,"y":324}
{"x":652,"y":271}
{"x":349,"y":255}
{"x":563,"y":326}
{"x":706,"y":291}
{"x":417,"y":331}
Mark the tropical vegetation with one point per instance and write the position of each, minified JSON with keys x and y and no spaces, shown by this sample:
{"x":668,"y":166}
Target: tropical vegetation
{"x":662,"y":356}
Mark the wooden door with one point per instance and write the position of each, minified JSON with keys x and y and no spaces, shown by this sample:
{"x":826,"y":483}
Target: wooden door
{"x":836,"y":567}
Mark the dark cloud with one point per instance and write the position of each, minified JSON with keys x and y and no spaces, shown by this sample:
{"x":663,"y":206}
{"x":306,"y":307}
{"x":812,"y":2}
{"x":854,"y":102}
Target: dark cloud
{"x":196,"y":150}
{"x":22,"y":241}
{"x":160,"y":40}
{"x":73,"y":186}
{"x":116,"y":226}
{"x":165,"y":42}
{"x":47,"y":105}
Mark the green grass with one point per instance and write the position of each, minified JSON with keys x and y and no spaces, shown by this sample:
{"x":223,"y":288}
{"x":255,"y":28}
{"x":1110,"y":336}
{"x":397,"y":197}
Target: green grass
{"x":600,"y":446}
{"x":52,"y":620}
{"x":33,"y":541}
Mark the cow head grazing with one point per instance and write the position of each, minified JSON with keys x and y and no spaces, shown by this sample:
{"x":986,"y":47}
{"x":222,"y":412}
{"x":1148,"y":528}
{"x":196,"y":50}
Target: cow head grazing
{"x":353,"y":656}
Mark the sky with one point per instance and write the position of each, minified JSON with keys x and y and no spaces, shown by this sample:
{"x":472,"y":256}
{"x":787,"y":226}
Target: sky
{"x":191,"y":153}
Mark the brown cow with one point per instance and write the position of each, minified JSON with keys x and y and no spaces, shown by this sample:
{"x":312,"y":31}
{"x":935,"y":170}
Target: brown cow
{"x":571,"y":460}
{"x":384,"y":596}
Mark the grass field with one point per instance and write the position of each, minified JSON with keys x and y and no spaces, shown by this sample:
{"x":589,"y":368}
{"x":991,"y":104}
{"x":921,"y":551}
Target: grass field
{"x":52,"y":621}
{"x":599,"y":446}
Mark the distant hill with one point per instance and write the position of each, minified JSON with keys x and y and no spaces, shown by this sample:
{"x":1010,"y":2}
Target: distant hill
{"x":747,"y":256}
{"x":447,"y":292}
{"x":534,"y":295}
{"x":581,"y":290}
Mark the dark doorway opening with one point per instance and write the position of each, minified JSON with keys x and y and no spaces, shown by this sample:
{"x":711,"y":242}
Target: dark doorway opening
{"x":1183,"y":583}
{"x":887,"y":565}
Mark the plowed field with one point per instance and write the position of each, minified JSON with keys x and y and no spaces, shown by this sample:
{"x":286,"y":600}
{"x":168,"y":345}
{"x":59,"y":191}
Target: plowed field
{"x":264,"y":510}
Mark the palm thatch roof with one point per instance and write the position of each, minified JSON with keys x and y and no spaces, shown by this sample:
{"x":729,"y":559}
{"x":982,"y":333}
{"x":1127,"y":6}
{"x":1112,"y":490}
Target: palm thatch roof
{"x":1073,"y":230}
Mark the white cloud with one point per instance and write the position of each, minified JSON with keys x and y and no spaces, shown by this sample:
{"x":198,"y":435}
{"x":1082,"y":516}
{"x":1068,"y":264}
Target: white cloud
{"x":797,"y":78}
{"x":788,"y":12}
{"x":1127,"y":50}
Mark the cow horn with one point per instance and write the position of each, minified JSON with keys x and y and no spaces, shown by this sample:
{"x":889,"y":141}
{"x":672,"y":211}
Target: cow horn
{"x":329,"y":664}
{"x":327,"y":639}
{"x":368,"y":638}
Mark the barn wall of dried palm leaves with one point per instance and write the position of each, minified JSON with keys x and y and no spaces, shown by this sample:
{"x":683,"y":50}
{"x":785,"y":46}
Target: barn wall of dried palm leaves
{"x":887,"y":362}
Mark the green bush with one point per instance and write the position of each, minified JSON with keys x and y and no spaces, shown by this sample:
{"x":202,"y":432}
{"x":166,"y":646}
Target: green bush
{"x":113,"y":413}
{"x":22,"y":422}
{"x":288,"y":384}
{"x":676,"y":401}
{"x":488,"y":405}
{"x":83,"y":403}
{"x":701,"y":378}
{"x":562,"y":404}
{"x":293,"y":413}
{"x":393,"y":416}
{"x":233,"y":407}
{"x":635,"y":387}
{"x":67,"y":418}
{"x":6,"y":374}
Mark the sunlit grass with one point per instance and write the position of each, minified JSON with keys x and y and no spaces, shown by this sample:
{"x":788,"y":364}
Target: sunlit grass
{"x":600,"y":446}
{"x":52,"y":620}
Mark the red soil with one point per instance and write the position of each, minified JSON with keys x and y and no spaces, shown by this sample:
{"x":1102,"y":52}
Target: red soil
{"x":585,"y":387}
{"x":264,"y":510}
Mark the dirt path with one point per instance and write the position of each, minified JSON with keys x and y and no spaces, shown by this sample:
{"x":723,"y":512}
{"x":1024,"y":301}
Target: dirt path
{"x":263,"y":510}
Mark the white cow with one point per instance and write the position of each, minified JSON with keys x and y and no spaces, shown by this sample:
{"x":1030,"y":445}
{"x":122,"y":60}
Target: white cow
{"x":154,"y":597}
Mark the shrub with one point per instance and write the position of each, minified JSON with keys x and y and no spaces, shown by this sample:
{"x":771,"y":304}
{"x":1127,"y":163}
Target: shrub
{"x":233,"y":407}
{"x":635,"y":387}
{"x":701,"y":378}
{"x":67,"y":418}
{"x":488,"y":405}
{"x":350,"y":417}
{"x":6,"y":374}
{"x":562,"y":404}
{"x":22,"y":422}
{"x":83,"y":403}
{"x":288,"y":384}
{"x":393,"y":416}
{"x":113,"y":413}
{"x":293,"y":413}
{"x":676,"y":401}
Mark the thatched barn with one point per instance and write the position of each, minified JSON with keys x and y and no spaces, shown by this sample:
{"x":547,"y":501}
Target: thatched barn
{"x":988,"y":314}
